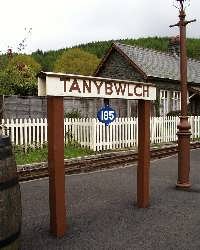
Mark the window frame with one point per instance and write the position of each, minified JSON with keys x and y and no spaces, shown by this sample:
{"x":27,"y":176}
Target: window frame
{"x":164,"y":102}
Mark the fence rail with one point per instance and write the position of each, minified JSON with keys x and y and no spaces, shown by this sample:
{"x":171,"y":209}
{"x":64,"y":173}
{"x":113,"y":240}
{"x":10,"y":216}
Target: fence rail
{"x":89,"y":132}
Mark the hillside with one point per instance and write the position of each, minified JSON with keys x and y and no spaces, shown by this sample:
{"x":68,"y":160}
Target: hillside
{"x":47,"y":59}
{"x":18,"y":71}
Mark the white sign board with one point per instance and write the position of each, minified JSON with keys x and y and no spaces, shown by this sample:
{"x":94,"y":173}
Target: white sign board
{"x":57,"y":84}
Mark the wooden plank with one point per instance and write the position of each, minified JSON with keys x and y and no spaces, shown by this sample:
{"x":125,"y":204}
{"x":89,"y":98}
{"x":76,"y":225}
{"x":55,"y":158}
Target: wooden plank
{"x":56,"y":166}
{"x":143,"y":154}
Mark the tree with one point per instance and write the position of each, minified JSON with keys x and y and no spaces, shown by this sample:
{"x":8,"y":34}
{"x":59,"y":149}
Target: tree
{"x":14,"y":81}
{"x":18,"y":76}
{"x":76,"y":61}
{"x":22,"y":60}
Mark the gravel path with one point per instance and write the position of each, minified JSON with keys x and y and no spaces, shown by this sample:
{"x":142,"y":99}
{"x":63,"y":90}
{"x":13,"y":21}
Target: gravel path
{"x":102,"y":211}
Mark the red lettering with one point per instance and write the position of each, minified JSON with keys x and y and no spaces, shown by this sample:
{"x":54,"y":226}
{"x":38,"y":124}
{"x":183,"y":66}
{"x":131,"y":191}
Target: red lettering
{"x":98,"y":86}
{"x":135,"y":90}
{"x":75,"y":86}
{"x":146,"y":90}
{"x":65,"y":82}
{"x":120,"y":87}
{"x":108,"y":88}
{"x":86,"y":86}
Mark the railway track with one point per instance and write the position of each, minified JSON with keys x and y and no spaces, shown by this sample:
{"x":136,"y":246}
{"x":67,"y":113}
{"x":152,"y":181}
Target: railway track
{"x":97,"y":162}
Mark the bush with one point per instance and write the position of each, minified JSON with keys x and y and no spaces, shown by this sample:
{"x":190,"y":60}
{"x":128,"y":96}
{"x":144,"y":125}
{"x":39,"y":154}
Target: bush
{"x":177,"y":113}
{"x":174,"y":113}
{"x":18,"y":82}
{"x":22,"y":61}
{"x":18,"y":75}
{"x":73,"y":114}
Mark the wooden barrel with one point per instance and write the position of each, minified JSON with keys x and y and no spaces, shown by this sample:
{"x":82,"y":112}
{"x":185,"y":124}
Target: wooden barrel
{"x":10,"y":198}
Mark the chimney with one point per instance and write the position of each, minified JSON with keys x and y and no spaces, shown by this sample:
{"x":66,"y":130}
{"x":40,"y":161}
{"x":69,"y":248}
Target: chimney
{"x":174,"y":46}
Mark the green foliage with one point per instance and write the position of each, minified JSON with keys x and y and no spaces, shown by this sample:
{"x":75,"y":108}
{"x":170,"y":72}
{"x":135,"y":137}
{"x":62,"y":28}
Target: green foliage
{"x":96,"y":48}
{"x":76,"y":61}
{"x":156,"y":104}
{"x":22,"y":61}
{"x":47,"y":59}
{"x":15,"y":82}
{"x":73,"y":114}
{"x":177,"y":113}
{"x":3,"y":61}
{"x":31,"y":155}
{"x":174,"y":113}
{"x":100,"y":48}
{"x":193,"y":48}
{"x":157,"y":43}
{"x":18,"y":75}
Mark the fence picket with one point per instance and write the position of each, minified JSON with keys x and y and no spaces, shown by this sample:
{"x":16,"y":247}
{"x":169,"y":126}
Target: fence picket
{"x":45,"y":129}
{"x":29,"y":131}
{"x":12,"y":131}
{"x":25,"y":134}
{"x":21,"y":135}
{"x":89,"y":132}
{"x":42,"y":132}
{"x":17,"y":132}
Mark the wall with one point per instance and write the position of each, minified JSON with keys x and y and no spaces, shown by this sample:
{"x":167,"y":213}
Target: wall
{"x":36,"y":107}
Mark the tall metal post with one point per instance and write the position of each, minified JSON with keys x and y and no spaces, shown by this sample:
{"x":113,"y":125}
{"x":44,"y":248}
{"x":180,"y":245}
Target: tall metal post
{"x":183,"y":133}
{"x":184,"y":126}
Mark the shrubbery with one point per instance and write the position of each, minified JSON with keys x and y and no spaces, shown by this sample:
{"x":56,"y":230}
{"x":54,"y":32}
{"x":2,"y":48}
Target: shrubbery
{"x":18,"y":75}
{"x":174,"y":113}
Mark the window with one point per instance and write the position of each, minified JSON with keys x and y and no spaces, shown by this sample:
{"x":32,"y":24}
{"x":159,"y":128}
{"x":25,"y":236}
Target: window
{"x":176,"y":100}
{"x":164,"y":102}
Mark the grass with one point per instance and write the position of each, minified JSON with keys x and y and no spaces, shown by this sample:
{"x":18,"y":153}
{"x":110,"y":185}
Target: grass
{"x":40,"y":154}
{"x":72,"y":150}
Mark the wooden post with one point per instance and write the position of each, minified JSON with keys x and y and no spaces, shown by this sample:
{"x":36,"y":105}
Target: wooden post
{"x":55,"y":113}
{"x":143,"y":153}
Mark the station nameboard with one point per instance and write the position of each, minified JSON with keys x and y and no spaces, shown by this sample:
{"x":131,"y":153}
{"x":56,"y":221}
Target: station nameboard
{"x":58,"y":84}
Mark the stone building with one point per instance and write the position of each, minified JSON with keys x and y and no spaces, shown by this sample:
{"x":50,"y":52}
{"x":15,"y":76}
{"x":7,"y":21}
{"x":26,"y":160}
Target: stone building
{"x":147,"y":65}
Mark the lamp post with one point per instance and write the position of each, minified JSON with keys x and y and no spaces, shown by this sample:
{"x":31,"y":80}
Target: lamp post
{"x":183,"y":133}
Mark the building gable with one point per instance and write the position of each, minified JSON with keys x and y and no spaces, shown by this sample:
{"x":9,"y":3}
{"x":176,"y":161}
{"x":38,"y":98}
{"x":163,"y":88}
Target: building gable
{"x":116,"y":66}
{"x":153,"y":64}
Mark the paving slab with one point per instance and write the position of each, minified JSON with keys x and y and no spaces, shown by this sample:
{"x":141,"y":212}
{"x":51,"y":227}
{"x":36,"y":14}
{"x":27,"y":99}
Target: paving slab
{"x":102,"y":211}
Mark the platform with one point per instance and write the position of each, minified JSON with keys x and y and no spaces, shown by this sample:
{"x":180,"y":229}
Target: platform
{"x":102,"y":211}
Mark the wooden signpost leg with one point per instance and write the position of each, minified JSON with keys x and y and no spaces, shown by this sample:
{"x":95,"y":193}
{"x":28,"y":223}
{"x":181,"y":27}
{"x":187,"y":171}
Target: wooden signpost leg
{"x":143,"y":153}
{"x":56,"y":165}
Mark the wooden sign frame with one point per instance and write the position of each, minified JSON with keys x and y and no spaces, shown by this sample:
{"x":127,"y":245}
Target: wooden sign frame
{"x":55,"y":114}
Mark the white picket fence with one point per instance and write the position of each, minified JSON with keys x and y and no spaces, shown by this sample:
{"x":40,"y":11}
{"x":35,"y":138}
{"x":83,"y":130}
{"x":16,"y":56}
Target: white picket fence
{"x":91,"y":133}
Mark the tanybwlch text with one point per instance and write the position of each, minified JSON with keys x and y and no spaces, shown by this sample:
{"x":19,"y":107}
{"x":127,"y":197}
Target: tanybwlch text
{"x":78,"y":87}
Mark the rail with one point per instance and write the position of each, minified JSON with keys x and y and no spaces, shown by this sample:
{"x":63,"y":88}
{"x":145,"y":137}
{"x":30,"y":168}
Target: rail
{"x":98,"y":162}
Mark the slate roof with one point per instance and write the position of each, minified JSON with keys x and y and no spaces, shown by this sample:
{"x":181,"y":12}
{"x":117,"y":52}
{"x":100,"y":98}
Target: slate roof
{"x":158,"y":64}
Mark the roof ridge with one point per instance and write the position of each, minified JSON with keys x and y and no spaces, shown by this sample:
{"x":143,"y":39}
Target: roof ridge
{"x":156,"y":51}
{"x":143,"y":48}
